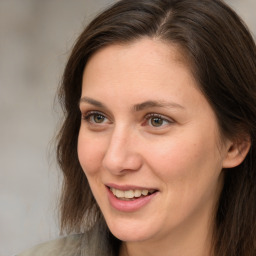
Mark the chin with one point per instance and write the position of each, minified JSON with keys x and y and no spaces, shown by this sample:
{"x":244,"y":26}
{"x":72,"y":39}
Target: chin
{"x":130,"y":232}
{"x":130,"y":237}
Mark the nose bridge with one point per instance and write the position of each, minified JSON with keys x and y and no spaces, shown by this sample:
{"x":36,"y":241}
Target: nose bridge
{"x":122,"y":154}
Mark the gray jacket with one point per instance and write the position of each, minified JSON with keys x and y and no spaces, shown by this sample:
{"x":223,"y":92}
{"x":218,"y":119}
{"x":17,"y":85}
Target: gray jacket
{"x":91,"y":243}
{"x":67,"y":246}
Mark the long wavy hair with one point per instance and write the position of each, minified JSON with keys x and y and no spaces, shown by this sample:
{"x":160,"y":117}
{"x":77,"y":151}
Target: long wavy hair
{"x":222,"y":56}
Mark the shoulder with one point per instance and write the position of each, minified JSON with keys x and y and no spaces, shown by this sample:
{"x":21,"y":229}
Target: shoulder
{"x":66,"y":246}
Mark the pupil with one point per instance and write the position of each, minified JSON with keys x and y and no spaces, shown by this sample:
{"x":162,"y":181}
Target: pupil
{"x":98,"y":119}
{"x":157,"y":121}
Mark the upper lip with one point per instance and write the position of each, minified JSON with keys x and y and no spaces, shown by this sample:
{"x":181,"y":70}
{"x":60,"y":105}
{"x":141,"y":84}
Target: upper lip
{"x":128,"y":187}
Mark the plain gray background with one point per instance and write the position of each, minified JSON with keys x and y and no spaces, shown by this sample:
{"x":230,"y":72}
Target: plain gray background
{"x":35,"y":40}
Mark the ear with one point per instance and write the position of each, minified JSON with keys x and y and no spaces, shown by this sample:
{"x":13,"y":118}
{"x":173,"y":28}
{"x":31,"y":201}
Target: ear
{"x":236,"y":152}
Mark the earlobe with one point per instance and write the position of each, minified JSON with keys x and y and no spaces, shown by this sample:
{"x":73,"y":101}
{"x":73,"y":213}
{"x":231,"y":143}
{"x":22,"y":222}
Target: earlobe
{"x":236,"y":153}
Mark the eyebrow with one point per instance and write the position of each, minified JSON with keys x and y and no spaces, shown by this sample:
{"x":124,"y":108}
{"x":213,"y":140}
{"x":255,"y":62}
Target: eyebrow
{"x":136,"y":107}
{"x":92,"y":102}
{"x":159,"y":104}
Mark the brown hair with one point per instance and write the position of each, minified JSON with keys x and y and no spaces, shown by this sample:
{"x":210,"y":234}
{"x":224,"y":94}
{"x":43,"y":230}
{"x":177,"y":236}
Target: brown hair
{"x":222,"y":57}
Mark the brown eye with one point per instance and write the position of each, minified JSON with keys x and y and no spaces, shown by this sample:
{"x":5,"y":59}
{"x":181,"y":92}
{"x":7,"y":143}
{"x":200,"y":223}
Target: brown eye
{"x":97,"y":118}
{"x":156,"y":121}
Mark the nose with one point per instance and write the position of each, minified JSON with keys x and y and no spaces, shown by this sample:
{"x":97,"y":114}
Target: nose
{"x":122,"y":154}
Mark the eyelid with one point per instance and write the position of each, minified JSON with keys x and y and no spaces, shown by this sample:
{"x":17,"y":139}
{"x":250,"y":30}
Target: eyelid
{"x":88,"y":114}
{"x":166,"y":122}
{"x":165,"y":118}
{"x":91,"y":112}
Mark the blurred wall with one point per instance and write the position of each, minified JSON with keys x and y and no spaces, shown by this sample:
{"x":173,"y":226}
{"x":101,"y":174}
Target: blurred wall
{"x":35,"y":40}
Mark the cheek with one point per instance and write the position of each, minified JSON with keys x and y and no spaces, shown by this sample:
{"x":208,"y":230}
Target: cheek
{"x":90,"y":153}
{"x":189,"y":172}
{"x":185,"y":158}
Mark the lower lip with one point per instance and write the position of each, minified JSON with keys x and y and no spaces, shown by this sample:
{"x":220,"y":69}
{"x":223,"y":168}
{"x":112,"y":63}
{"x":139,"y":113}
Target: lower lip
{"x":131,"y":205}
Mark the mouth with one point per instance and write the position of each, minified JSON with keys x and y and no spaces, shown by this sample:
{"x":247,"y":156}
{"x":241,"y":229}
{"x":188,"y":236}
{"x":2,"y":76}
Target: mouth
{"x":128,"y":198}
{"x":131,"y":194}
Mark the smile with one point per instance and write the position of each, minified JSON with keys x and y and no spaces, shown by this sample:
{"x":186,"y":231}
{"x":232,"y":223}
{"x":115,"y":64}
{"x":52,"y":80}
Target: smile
{"x":131,"y":194}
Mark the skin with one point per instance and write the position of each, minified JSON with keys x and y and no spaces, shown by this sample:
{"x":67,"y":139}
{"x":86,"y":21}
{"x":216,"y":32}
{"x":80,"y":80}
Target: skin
{"x":182,"y":158}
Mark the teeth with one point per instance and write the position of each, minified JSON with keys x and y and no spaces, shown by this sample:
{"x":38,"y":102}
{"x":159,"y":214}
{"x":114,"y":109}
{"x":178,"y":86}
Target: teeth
{"x":119,"y":193}
{"x":144,"y":192}
{"x":137,"y":193}
{"x":129,"y":194}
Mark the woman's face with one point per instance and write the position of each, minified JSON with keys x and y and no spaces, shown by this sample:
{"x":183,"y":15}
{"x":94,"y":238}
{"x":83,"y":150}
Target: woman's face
{"x":149,"y":142}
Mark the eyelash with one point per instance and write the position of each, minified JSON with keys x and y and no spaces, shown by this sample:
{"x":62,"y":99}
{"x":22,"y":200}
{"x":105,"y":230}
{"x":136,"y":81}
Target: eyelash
{"x":147,"y":118}
{"x":90,"y":114}
{"x":150,"y":116}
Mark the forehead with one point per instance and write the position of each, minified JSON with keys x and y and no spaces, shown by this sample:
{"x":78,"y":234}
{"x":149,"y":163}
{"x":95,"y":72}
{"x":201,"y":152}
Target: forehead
{"x":141,"y":56}
{"x":151,"y":46}
{"x":144,"y":70}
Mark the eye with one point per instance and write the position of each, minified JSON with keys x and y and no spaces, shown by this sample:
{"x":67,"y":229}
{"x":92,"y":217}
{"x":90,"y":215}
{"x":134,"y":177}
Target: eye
{"x":156,"y":120}
{"x":95,"y":118}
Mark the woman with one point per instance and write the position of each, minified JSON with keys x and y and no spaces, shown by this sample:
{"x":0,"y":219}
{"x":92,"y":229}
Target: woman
{"x":158,"y":144}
